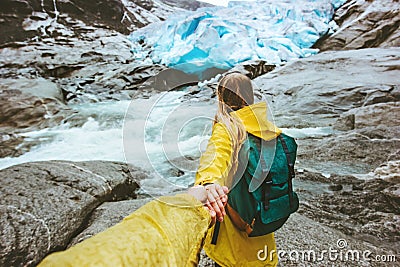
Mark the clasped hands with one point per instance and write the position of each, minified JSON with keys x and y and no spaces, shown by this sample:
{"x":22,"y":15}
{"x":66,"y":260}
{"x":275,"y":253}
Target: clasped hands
{"x":214,"y":197}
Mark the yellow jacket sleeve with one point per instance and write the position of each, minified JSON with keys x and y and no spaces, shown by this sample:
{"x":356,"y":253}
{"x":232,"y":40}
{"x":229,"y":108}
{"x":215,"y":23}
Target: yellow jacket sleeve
{"x":165,"y":232}
{"x":215,"y":162}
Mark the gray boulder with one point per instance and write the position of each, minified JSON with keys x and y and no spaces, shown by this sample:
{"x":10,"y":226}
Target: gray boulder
{"x":45,"y":204}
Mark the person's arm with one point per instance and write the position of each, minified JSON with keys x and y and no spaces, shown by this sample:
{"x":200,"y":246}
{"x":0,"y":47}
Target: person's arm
{"x":166,"y":232}
{"x":215,"y":164}
{"x":216,"y":160}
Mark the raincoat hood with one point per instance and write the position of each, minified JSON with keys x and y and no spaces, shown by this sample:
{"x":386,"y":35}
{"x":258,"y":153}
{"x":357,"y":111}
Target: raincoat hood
{"x":255,"y":120}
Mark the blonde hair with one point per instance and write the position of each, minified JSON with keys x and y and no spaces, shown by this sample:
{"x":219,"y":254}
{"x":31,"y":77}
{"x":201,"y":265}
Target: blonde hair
{"x":234,"y":92}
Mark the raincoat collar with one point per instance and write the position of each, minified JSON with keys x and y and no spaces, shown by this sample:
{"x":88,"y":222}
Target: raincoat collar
{"x":255,"y":120}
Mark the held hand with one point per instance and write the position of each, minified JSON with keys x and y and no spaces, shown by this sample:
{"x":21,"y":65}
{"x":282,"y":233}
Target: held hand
{"x":213,"y":197}
{"x":217,"y":199}
{"x":200,"y":192}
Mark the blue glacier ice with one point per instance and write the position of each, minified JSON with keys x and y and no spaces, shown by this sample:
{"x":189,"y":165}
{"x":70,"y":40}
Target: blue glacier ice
{"x":274,"y":31}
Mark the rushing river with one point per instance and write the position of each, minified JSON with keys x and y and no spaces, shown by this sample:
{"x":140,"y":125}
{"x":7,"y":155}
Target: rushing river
{"x":164,"y":134}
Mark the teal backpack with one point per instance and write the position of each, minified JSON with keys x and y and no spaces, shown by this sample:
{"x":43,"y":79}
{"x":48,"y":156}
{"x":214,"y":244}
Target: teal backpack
{"x":261,"y":198}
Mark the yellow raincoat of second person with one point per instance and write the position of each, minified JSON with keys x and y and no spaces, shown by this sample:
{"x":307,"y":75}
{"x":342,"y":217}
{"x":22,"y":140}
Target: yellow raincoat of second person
{"x":234,"y":247}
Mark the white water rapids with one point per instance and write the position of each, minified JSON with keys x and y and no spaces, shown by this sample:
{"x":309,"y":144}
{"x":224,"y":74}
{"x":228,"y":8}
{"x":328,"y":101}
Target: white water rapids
{"x":163,"y":134}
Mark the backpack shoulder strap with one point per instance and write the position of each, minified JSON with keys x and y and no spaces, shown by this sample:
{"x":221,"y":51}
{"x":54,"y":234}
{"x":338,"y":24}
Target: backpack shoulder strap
{"x":288,"y":159}
{"x":291,"y":173}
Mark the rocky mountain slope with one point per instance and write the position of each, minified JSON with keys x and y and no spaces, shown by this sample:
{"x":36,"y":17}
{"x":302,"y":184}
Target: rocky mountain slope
{"x":123,"y":16}
{"x":364,"y":24}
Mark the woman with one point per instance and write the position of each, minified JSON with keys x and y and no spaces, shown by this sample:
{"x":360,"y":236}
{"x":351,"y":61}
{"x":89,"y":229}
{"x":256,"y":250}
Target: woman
{"x":237,"y":115}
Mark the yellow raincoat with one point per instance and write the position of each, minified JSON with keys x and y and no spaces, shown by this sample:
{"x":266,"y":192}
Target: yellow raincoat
{"x":234,"y":247}
{"x":167,"y":232}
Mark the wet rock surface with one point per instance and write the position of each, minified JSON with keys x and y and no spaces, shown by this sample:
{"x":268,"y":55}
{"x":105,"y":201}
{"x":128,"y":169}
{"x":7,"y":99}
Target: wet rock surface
{"x":45,"y":204}
{"x":315,"y":91}
{"x":366,"y":210}
{"x":364,"y":24}
{"x":303,"y":241}
{"x":355,"y":148}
